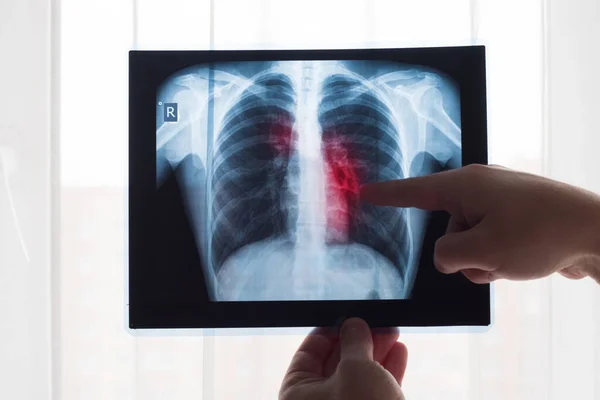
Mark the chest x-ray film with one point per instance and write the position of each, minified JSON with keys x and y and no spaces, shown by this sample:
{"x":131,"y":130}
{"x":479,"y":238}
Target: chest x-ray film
{"x":245,"y":172}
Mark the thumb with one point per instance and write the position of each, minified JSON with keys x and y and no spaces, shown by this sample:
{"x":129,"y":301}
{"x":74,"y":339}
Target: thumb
{"x":356,"y":340}
{"x":466,"y":250}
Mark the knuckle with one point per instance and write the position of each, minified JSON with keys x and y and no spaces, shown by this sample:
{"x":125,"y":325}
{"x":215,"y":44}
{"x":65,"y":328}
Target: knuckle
{"x":477,"y":170}
{"x":474,"y":177}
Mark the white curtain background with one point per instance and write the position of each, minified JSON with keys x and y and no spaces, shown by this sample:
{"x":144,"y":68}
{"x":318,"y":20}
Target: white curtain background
{"x":63,"y":147}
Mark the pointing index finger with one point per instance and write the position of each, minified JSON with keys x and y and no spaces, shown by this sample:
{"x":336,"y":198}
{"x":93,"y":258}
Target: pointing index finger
{"x":433,"y":192}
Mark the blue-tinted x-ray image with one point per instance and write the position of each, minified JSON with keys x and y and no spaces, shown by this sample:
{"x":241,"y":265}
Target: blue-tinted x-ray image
{"x":270,"y":158}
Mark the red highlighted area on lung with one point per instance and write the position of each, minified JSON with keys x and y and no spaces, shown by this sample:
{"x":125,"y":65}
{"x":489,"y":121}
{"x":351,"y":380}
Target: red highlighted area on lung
{"x":341,"y":187}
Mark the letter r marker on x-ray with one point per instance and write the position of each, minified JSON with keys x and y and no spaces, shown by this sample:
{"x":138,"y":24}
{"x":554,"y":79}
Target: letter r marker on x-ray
{"x":170,"y":113}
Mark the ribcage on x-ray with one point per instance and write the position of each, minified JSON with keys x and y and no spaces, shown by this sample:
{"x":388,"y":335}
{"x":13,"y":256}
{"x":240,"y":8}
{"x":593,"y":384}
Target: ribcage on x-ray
{"x":254,"y":153}
{"x":360,"y":144}
{"x":287,"y":146}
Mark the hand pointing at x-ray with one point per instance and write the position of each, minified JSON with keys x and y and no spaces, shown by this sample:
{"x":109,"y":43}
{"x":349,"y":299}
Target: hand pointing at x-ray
{"x":504,"y":224}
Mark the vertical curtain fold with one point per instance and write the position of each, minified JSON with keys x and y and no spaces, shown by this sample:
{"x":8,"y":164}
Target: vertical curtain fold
{"x":573,"y":143}
{"x":25,"y":198}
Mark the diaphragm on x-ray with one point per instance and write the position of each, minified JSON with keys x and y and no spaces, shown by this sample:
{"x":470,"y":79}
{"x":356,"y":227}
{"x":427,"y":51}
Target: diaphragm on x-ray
{"x":270,"y":158}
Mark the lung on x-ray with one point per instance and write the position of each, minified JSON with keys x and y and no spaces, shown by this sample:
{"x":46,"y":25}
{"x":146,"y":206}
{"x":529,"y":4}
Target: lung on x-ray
{"x":270,"y":158}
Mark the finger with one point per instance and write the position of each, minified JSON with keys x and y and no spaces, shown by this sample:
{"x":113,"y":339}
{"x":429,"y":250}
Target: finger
{"x":479,"y":276}
{"x":383,"y":340}
{"x":574,"y":274}
{"x":456,"y":224}
{"x":312,"y":353}
{"x":433,"y":192}
{"x":470,"y":249}
{"x":396,"y":361}
{"x":356,"y":340}
{"x":332,"y":361}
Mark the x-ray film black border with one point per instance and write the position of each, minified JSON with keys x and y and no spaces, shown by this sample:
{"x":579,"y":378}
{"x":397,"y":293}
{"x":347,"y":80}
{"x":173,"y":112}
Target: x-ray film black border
{"x":149,"y":69}
{"x":378,"y":313}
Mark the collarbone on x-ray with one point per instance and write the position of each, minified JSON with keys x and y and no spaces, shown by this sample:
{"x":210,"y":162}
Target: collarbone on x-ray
{"x":271,"y":157}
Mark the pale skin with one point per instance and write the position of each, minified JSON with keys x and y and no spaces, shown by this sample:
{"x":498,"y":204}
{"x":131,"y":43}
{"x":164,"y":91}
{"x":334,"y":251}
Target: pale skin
{"x":504,"y":224}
